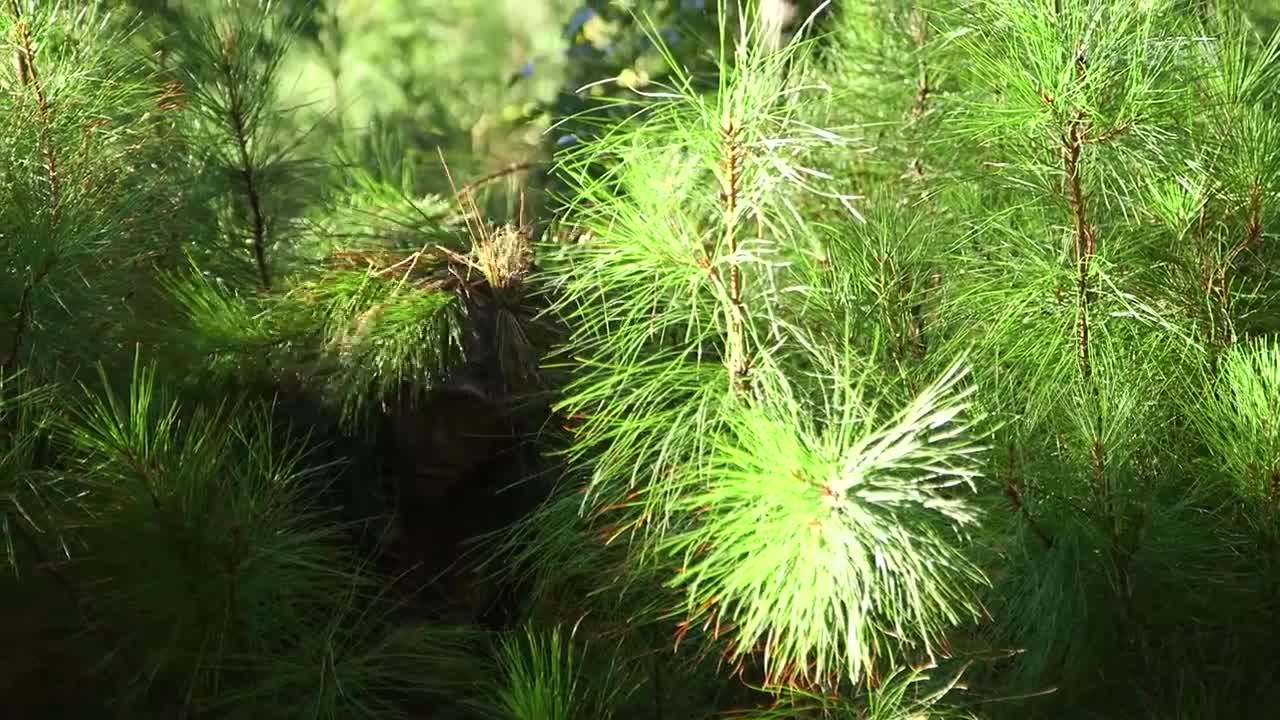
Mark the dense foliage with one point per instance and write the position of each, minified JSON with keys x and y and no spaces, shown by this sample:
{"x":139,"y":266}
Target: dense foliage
{"x":875,"y":359}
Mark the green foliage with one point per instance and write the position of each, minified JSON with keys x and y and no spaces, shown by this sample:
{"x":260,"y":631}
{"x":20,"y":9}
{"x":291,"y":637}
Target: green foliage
{"x":354,"y":333}
{"x":916,"y":693}
{"x":31,"y":498}
{"x":217,"y":514}
{"x":395,"y":334}
{"x":772,"y":359}
{"x":230,"y":59}
{"x":539,"y":675}
{"x":785,"y":507}
{"x":1239,"y":423}
{"x":222,"y":586}
{"x":79,"y":199}
{"x":833,"y":548}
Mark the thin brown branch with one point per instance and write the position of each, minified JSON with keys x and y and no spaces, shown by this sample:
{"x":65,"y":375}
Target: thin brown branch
{"x":1015,"y":497}
{"x":920,"y":35}
{"x":731,"y":190}
{"x":1098,"y":466}
{"x":1252,"y":236}
{"x":21,"y":319}
{"x":1219,"y":283}
{"x":512,"y":169}
{"x":924,"y":87}
{"x":1014,"y":494}
{"x":739,"y":364}
{"x":1253,"y":228}
{"x":29,"y":76}
{"x":1108,"y":135}
{"x":1085,"y":234}
{"x":248,"y":172}
{"x":1086,"y":247}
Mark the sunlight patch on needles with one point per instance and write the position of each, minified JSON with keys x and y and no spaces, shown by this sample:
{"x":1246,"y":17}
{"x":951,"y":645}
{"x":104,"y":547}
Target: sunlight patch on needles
{"x":1240,"y":419}
{"x":379,"y":334}
{"x":828,"y":546}
{"x":826,"y":536}
{"x":538,"y":678}
{"x":916,"y":694}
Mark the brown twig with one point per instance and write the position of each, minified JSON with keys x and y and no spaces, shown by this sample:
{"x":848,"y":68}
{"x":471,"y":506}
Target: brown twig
{"x":29,"y":76}
{"x":248,"y":173}
{"x":920,"y":34}
{"x":512,"y":169}
{"x":1086,"y":247}
{"x":1109,"y":135}
{"x":924,"y":87}
{"x":739,"y":364}
{"x":1085,"y":235}
{"x":21,"y":319}
{"x":1252,"y":235}
{"x":1015,"y":496}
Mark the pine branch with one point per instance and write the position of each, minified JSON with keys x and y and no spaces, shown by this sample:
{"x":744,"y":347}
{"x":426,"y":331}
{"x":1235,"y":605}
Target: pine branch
{"x":739,"y":364}
{"x":29,"y":75}
{"x":248,"y":171}
{"x":1084,"y":233}
{"x":22,"y":318}
{"x":64,"y":583}
{"x":1014,"y":494}
{"x":924,"y":88}
{"x":1085,"y":236}
{"x":920,"y":36}
{"x":512,"y":169}
{"x":1252,"y":236}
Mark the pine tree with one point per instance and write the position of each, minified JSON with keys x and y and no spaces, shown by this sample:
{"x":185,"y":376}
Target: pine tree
{"x":875,"y":359}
